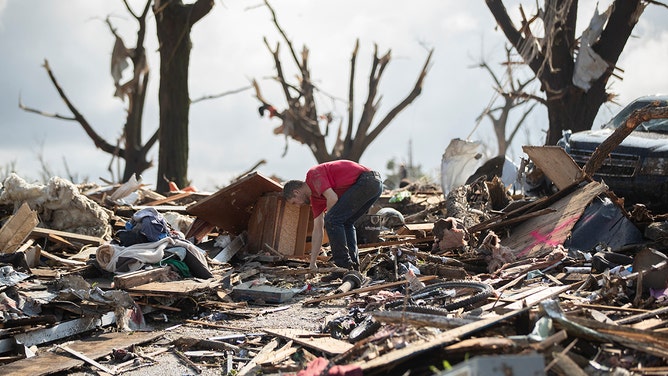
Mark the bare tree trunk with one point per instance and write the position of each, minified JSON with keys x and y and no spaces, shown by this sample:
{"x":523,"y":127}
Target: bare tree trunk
{"x":553,"y":57}
{"x":130,"y":148}
{"x":174,"y":21}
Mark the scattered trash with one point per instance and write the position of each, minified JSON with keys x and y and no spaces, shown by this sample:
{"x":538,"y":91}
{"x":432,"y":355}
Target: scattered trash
{"x":565,"y":283}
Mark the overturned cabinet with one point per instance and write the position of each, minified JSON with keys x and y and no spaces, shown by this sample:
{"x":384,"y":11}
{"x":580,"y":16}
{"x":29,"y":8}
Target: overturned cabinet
{"x":254,"y":204}
{"x":280,"y":225}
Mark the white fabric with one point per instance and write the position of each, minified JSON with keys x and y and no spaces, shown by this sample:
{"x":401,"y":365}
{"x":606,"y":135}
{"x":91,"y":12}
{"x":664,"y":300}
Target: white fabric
{"x":145,"y":253}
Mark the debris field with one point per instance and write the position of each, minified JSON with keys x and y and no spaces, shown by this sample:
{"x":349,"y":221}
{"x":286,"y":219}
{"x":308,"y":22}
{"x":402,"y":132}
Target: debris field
{"x":480,"y":280}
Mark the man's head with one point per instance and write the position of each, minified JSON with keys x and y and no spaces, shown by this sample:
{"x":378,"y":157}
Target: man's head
{"x":296,"y":192}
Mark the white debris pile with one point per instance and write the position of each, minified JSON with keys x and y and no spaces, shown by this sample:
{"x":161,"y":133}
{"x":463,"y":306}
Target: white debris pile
{"x":59,"y":204}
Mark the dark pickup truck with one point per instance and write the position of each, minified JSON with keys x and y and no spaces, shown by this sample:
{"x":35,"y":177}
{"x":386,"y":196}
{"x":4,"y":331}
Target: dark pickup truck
{"x":637,"y":169}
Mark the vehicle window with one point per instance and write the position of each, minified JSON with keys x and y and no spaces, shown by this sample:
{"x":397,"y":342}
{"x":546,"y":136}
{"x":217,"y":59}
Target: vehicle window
{"x":655,"y":125}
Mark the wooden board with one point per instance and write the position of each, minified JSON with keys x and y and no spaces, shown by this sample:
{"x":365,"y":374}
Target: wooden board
{"x":292,"y":231}
{"x":328,"y":345}
{"x":93,"y":347}
{"x":444,"y":338}
{"x":533,"y":299}
{"x":175,"y":287}
{"x":261,"y":222}
{"x":38,"y":232}
{"x":539,"y":235}
{"x":280,"y":225}
{"x":230,"y":208}
{"x":17,"y":228}
{"x":140,"y":277}
{"x":557,"y":165}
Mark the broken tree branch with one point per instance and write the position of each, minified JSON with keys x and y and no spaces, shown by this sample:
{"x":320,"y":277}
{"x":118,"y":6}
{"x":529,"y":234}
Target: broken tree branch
{"x":606,"y":147}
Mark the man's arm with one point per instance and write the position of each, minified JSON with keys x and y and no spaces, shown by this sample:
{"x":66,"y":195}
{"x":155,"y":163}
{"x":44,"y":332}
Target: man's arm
{"x":316,"y":238}
{"x":331,"y":197}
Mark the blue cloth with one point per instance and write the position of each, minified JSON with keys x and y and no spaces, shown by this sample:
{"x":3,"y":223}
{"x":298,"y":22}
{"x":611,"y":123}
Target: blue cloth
{"x":153,"y":224}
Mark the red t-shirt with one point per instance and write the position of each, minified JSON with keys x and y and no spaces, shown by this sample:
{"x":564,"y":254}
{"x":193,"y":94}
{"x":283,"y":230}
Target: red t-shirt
{"x":338,"y":175}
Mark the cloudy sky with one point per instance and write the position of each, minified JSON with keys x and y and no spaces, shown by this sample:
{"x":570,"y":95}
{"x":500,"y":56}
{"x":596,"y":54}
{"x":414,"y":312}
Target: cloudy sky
{"x":227,"y":135}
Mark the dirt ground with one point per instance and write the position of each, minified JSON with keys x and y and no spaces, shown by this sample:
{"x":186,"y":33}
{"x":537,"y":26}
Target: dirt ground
{"x":291,"y":315}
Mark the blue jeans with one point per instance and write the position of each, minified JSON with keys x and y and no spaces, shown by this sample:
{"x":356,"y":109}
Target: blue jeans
{"x":340,"y":219}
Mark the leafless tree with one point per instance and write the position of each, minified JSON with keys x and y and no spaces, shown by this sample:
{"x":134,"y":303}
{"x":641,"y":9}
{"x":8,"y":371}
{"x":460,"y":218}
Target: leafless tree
{"x":573,"y":71}
{"x":512,"y":94}
{"x":129,"y":147}
{"x":301,"y":120}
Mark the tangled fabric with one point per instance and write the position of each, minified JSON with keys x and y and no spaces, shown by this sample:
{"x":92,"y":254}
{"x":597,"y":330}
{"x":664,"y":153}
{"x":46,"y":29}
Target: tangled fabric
{"x":118,"y":259}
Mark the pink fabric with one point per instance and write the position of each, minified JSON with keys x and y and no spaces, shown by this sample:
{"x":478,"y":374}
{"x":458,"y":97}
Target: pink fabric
{"x":315,"y":368}
{"x":319,"y":365}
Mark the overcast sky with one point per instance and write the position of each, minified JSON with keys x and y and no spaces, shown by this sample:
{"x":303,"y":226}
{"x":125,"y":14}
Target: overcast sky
{"x":227,"y":135}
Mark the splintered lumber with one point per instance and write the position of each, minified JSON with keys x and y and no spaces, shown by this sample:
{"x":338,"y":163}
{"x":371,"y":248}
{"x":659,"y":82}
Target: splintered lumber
{"x":141,"y":277}
{"x":538,"y":236}
{"x":38,"y":232}
{"x":230,"y":207}
{"x":187,"y":361}
{"x":538,"y":296}
{"x":642,"y":316}
{"x":61,"y":260}
{"x":440,"y":340}
{"x":299,"y":271}
{"x":327,"y":345}
{"x":279,"y":355}
{"x":253,"y":365}
{"x":366,"y":289}
{"x":175,"y":197}
{"x":86,"y":359}
{"x":567,"y":366}
{"x":420,"y":319}
{"x":175,"y":287}
{"x":17,"y":228}
{"x":557,"y":165}
{"x":93,"y":347}
{"x":647,"y":341}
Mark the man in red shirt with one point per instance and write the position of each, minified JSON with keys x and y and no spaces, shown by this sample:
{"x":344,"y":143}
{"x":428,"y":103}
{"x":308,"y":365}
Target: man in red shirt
{"x":339,"y":193}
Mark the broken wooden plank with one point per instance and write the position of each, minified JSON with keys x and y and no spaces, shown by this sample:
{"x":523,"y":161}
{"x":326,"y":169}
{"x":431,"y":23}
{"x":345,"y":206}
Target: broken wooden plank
{"x":171,"y":198}
{"x":38,"y":232}
{"x":538,"y":297}
{"x":162,"y":208}
{"x":292,"y":229}
{"x":92,"y":347}
{"x":141,"y":277}
{"x":327,"y":345}
{"x":253,"y":366}
{"x":420,"y":319}
{"x":366,"y":289}
{"x":278,"y":356}
{"x":641,"y":316}
{"x":17,"y":228}
{"x":556,"y":164}
{"x":538,"y":236}
{"x":445,"y":338}
{"x":86,"y":359}
{"x":61,"y":260}
{"x":187,"y":361}
{"x":230,"y":207}
{"x":176,"y":287}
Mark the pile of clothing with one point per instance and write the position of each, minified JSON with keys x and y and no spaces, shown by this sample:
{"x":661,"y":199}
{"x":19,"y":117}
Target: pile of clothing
{"x":148,"y":239}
